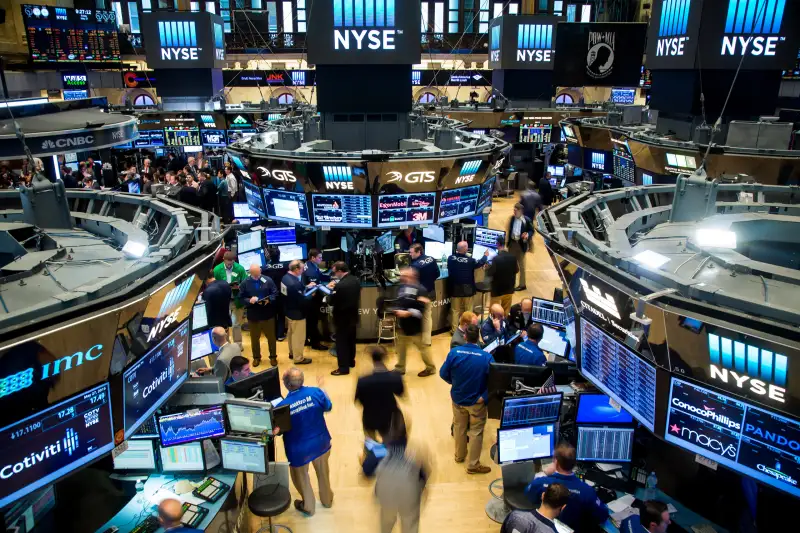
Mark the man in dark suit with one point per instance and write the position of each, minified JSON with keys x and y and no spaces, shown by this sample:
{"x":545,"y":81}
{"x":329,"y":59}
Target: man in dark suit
{"x":521,"y":316}
{"x":346,"y":301}
{"x":95,"y":166}
{"x":313,"y":274}
{"x":295,"y":304}
{"x":520,"y":233}
{"x":206,"y":192}
{"x":503,"y":272}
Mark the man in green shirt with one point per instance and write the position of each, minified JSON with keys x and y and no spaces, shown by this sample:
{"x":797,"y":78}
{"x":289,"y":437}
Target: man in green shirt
{"x":234,"y":273}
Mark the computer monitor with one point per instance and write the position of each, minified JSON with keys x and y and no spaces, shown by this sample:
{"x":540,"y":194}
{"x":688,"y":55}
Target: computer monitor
{"x":531,"y":409}
{"x":555,"y":170}
{"x":437,"y":249}
{"x":148,"y":429}
{"x":190,"y":426}
{"x":280,"y":235}
{"x":250,"y":417}
{"x":183,"y":458}
{"x":244,"y":455}
{"x":386,"y":242}
{"x":608,"y":444}
{"x":554,"y":341}
{"x":434,"y":232}
{"x":478,"y":251}
{"x":287,"y":206}
{"x":202,"y":345}
{"x":492,"y":346}
{"x":503,"y":378}
{"x":548,"y":312}
{"x":207,"y":384}
{"x":342,"y":210}
{"x":525,"y":443}
{"x":139,"y":457}
{"x":290,"y":252}
{"x":242,"y":210}
{"x":267,"y":381}
{"x":486,"y":238}
{"x":596,"y":408}
{"x":248,"y":241}
{"x":256,"y":257}
{"x":199,"y":317}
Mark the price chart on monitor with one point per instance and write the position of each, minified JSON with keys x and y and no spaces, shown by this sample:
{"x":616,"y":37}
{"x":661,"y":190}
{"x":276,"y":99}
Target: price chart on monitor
{"x":190,"y":426}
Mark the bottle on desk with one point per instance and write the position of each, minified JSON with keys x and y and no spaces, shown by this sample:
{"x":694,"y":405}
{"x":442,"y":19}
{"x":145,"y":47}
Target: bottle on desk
{"x":650,"y":486}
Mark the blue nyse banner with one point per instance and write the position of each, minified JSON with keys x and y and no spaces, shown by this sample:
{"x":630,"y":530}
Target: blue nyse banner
{"x":522,"y":42}
{"x":183,"y":40}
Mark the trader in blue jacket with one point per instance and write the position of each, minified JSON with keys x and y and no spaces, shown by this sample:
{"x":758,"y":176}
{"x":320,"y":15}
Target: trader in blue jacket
{"x":467,"y":370}
{"x":528,"y":352}
{"x":259,"y":295}
{"x":309,"y":440}
{"x":652,"y":518}
{"x":314,"y":274}
{"x":428,"y":269}
{"x":461,"y":281}
{"x":295,"y":306}
{"x":584,"y":510}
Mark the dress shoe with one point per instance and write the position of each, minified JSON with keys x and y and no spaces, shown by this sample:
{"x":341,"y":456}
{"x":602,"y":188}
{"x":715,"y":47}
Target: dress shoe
{"x":338,"y":372}
{"x":273,"y":361}
{"x":480,"y":469}
{"x":256,"y":362}
{"x":521,"y":288}
{"x":427,"y":372}
{"x":306,"y":361}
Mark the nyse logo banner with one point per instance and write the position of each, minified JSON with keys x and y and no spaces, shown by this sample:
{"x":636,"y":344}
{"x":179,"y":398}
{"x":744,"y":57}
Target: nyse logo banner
{"x":747,"y":367}
{"x":494,"y":43}
{"x":364,"y":24}
{"x":753,"y":27}
{"x":535,"y":43}
{"x":178,"y":40}
{"x":672,"y":27}
{"x":337,"y":177}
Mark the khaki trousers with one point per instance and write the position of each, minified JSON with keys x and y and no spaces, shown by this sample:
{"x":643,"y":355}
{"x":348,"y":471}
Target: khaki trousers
{"x":474,"y":418}
{"x":516,"y":250}
{"x":458,"y":306}
{"x":302,"y":482}
{"x":297,"y":339}
{"x":409,"y":517}
{"x":237,"y":319}
{"x":427,"y":324}
{"x":403,"y":342}
{"x":504,"y":301}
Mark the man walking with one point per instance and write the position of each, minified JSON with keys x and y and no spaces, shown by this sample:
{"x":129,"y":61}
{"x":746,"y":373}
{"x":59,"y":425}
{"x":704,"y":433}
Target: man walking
{"x":295,"y":303}
{"x":313,"y":274}
{"x":259,"y":294}
{"x":409,"y":308}
{"x":461,"y":281}
{"x":520,"y":233}
{"x":428,"y":271}
{"x":503,"y":273}
{"x":346,"y":301}
{"x":376,"y":393}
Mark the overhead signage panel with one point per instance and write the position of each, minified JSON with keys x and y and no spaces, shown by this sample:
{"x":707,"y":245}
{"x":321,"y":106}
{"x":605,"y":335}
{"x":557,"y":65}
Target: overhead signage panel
{"x":183,"y":40}
{"x":674,"y":32}
{"x":523,"y":42}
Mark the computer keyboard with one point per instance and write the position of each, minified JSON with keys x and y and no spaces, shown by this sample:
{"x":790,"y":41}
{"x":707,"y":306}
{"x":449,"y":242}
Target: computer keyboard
{"x":148,"y":525}
{"x":210,"y":489}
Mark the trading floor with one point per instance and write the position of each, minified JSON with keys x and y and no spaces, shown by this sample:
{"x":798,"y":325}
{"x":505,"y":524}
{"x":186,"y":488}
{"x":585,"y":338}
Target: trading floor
{"x":454,"y":498}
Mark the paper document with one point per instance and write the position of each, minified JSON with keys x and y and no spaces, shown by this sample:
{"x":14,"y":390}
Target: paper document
{"x":561,"y":527}
{"x":618,"y":518}
{"x":621,"y":504}
{"x":671,"y":508}
{"x":607,"y":467}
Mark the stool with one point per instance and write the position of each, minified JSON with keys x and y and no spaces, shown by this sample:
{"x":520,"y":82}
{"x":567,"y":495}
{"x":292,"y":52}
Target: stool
{"x":268,"y":501}
{"x":484,"y":289}
{"x":386,"y":328}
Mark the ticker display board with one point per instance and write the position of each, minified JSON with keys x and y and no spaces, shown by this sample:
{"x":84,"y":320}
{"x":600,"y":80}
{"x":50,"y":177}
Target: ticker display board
{"x":64,"y":35}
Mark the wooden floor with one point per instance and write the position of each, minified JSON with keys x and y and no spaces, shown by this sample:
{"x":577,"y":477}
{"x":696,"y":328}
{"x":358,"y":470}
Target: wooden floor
{"x":455,"y":500}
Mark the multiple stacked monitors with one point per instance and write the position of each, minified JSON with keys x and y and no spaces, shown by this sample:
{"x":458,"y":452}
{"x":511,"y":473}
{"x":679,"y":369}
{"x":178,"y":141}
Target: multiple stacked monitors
{"x":342,"y":210}
{"x":286,"y":206}
{"x":406,"y":209}
{"x":517,"y":444}
{"x":280,"y":235}
{"x":190,"y":426}
{"x":459,"y":203}
{"x":59,"y":34}
{"x":530,"y":410}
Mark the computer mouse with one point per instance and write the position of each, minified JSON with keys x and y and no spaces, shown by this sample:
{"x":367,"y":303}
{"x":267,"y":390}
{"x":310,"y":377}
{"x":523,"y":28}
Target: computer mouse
{"x":182,"y":487}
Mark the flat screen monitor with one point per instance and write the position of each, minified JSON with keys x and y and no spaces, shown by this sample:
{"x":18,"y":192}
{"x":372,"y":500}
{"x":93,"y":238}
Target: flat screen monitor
{"x":256,"y":257}
{"x":433,"y":232}
{"x":610,"y":444}
{"x":596,"y":408}
{"x":267,"y":381}
{"x":554,"y":341}
{"x":503,"y":378}
{"x":79,"y":429}
{"x":214,"y":138}
{"x":242,"y":210}
{"x":386,"y":242}
{"x":277,"y":235}
{"x":478,"y":251}
{"x":255,"y":201}
{"x":555,"y":170}
{"x":395,"y":210}
{"x":202,"y":345}
{"x":617,"y":371}
{"x":140,"y":456}
{"x":530,"y":410}
{"x":249,"y":417}
{"x":150,"y":381}
{"x":525,"y":443}
{"x":183,"y":458}
{"x":488,"y":237}
{"x":287,"y":206}
{"x":199,"y":317}
{"x":437,"y":249}
{"x":290,"y":252}
{"x":190,"y":426}
{"x":342,"y":210}
{"x":248,"y":241}
{"x":486,"y":193}
{"x":244,"y":455}
{"x":148,"y":430}
{"x":459,"y":203}
{"x":548,"y":312}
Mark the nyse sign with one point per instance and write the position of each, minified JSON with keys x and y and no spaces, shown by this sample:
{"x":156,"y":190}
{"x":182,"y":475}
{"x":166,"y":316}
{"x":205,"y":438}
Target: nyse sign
{"x":671,"y":46}
{"x":737,"y":45}
{"x":372,"y":39}
{"x":535,"y":56}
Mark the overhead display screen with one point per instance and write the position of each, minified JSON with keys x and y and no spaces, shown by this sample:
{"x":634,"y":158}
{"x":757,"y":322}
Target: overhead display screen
{"x":181,"y":136}
{"x":149,"y":139}
{"x":523,"y":42}
{"x":406,"y":209}
{"x":254,"y":199}
{"x":673,"y":35}
{"x":459,"y":203}
{"x":60,"y":34}
{"x":214,"y":138}
{"x":348,"y":32}
{"x":598,"y":160}
{"x":286,"y":206}
{"x":620,"y":373}
{"x":342,"y":210}
{"x":183,"y":40}
{"x":624,"y":167}
{"x":486,"y":193}
{"x":535,"y":133}
{"x":753,"y":441}
{"x":42,"y":448}
{"x":150,"y":381}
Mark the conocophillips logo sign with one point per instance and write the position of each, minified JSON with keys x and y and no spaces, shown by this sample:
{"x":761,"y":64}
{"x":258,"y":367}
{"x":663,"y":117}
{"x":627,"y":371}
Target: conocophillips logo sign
{"x":535,"y":43}
{"x":752,"y":26}
{"x":178,"y":40}
{"x":672,"y":27}
{"x":360,"y":24}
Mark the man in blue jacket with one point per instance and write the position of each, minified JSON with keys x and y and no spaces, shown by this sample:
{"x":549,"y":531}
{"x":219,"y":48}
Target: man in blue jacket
{"x":461,"y":281}
{"x":528,"y":352}
{"x":313,"y":274}
{"x":170,"y":512}
{"x":467,"y":370}
{"x":495,"y":325}
{"x":653,"y":518}
{"x":309,"y":440}
{"x":259,"y":294}
{"x":428,"y":270}
{"x":584,"y":509}
{"x":295,"y":304}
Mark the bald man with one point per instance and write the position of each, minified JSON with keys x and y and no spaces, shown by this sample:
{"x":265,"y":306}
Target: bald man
{"x":259,"y":294}
{"x":169,"y":516}
{"x":461,"y":281}
{"x":495,"y":326}
{"x":225,"y":352}
{"x":296,"y":305}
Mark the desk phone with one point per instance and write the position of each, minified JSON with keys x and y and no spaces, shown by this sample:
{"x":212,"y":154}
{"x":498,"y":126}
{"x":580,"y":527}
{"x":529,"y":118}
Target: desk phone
{"x":210,"y":489}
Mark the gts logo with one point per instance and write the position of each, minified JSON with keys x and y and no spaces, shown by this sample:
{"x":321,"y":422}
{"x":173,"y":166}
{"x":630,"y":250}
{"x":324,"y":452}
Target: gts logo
{"x":279,"y":175}
{"x":412,"y":177}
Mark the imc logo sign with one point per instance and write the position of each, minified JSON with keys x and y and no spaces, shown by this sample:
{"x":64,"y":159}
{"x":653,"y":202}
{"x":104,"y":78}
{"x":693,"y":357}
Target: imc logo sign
{"x":672,"y":27}
{"x":178,"y":40}
{"x":535,"y":43}
{"x":742,"y":366}
{"x":494,"y":43}
{"x":337,"y":177}
{"x":360,"y":24}
{"x":752,"y":26}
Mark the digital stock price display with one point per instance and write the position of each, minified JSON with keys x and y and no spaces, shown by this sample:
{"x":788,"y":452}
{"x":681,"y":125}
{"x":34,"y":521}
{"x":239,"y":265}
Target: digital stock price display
{"x":182,"y":136}
{"x":342,"y":210}
{"x":406,"y":209}
{"x":459,"y":203}
{"x":44,"y":447}
{"x":59,"y":34}
{"x":198,"y":424}
{"x":753,"y":441}
{"x":254,"y":199}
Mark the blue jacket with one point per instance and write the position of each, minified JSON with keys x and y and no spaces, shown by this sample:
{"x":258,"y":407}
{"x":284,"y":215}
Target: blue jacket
{"x":261,"y":288}
{"x":461,"y":274}
{"x":529,"y":353}
{"x":428,"y":270}
{"x":489,"y":334}
{"x":294,"y":299}
{"x":467,"y":370}
{"x":309,"y":437}
{"x":313,"y":273}
{"x":632,"y":524}
{"x":184,"y":529}
{"x":582,"y":505}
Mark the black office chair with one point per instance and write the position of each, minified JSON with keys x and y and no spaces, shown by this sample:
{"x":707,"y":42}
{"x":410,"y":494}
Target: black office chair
{"x":269,"y":501}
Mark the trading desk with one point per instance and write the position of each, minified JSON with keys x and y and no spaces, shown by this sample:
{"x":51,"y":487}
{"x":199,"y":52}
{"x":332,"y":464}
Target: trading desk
{"x":683,"y":517}
{"x":135,"y":511}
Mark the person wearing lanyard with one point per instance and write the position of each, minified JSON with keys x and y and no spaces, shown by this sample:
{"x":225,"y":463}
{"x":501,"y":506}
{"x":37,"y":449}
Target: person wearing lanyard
{"x":313,"y":274}
{"x":461,"y":281}
{"x":520,"y":233}
{"x":260,"y":294}
{"x":295,"y":304}
{"x":234,"y":273}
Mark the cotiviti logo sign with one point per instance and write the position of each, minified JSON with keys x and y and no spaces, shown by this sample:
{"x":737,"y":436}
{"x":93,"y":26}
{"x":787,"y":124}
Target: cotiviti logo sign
{"x":360,"y":24}
{"x":535,"y":43}
{"x":178,"y":40}
{"x":672,"y":27}
{"x":747,"y":367}
{"x":752,"y":26}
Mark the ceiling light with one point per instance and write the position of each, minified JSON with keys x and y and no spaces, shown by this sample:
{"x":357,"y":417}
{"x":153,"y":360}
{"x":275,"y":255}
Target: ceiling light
{"x":715,"y":238}
{"x":134,"y":248}
{"x":651,"y":259}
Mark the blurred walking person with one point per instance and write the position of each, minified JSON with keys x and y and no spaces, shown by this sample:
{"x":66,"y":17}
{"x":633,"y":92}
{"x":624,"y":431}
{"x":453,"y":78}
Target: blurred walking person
{"x":376,"y":393}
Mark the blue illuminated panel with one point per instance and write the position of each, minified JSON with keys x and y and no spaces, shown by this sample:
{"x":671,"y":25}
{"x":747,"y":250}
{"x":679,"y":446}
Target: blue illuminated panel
{"x":754,"y":16}
{"x":674,"y":17}
{"x":535,"y":36}
{"x":747,"y":359}
{"x":363,"y":13}
{"x":177,"y":34}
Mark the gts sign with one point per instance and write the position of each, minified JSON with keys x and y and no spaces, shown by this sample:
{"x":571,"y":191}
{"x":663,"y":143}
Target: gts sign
{"x":361,"y":39}
{"x":411,"y":177}
{"x":279,"y":175}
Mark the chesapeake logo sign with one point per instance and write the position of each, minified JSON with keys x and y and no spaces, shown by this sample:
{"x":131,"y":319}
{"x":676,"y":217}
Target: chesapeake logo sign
{"x":672,"y":27}
{"x":179,"y":41}
{"x":24,"y":379}
{"x":747,"y":367}
{"x":535,"y":43}
{"x":337,"y":178}
{"x":50,"y":144}
{"x":364,"y":24}
{"x":411,"y":177}
{"x":752,"y":27}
